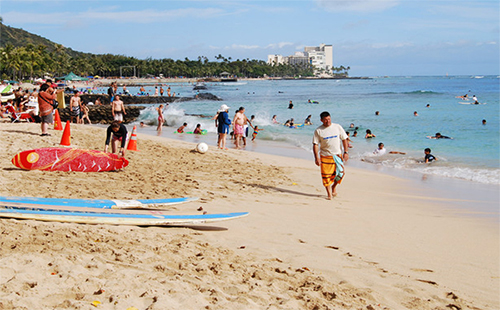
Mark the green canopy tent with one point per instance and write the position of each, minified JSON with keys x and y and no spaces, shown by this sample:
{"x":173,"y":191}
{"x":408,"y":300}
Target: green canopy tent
{"x":72,"y":77}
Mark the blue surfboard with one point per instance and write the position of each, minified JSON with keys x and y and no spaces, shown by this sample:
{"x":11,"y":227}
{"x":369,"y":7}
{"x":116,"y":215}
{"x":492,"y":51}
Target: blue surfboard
{"x":93,"y":203}
{"x":146,"y":218}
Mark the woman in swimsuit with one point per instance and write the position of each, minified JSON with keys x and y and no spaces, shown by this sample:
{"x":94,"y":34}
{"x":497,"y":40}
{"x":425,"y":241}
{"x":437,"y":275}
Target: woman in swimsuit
{"x":161,"y":120}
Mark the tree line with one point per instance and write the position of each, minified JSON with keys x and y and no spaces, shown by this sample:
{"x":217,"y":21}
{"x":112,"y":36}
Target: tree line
{"x":30,"y":61}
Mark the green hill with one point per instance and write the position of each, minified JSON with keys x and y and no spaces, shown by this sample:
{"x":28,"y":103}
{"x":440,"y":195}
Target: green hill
{"x":19,"y":37}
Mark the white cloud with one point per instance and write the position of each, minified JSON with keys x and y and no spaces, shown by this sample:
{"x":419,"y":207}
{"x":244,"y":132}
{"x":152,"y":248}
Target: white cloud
{"x":109,"y":14}
{"x":271,"y":46}
{"x":278,"y":45}
{"x":356,"y":5}
{"x":242,"y":47}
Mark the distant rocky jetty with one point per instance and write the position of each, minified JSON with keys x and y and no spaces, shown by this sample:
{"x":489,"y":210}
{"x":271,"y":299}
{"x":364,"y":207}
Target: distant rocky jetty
{"x":101,"y":114}
{"x":143,"y":99}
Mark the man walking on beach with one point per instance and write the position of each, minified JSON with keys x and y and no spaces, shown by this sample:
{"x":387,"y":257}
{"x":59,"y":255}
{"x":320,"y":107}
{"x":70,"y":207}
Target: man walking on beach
{"x":328,"y":153}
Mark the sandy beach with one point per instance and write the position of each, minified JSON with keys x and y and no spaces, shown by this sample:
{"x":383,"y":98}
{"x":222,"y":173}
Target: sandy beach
{"x":382,"y":243}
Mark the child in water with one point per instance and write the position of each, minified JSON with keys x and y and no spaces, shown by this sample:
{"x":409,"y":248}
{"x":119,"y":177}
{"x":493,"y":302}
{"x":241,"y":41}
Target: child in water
{"x":181,"y":129}
{"x":255,"y":132}
{"x":428,"y":156}
{"x":197,"y":130}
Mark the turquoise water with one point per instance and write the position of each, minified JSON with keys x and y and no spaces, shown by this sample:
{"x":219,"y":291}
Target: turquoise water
{"x":472,"y":154}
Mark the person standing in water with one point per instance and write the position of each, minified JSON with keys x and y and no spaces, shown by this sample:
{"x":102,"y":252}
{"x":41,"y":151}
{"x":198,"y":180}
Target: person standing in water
{"x":161,"y":120}
{"x":223,"y":122}
{"x":239,"y":122}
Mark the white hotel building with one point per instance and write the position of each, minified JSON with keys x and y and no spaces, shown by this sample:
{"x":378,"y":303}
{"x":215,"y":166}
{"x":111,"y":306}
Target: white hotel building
{"x":320,"y":57}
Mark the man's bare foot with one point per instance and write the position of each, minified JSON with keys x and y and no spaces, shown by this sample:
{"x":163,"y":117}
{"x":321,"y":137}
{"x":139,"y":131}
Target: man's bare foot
{"x":329,"y":198}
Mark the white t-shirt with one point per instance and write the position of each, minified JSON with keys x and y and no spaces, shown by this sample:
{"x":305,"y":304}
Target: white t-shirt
{"x":380,"y":151}
{"x":329,"y":139}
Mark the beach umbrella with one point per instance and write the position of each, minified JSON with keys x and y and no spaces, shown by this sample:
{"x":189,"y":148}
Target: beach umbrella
{"x":72,"y":77}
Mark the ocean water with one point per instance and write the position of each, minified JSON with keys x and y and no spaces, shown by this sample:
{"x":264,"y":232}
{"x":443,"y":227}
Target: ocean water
{"x":472,"y":154}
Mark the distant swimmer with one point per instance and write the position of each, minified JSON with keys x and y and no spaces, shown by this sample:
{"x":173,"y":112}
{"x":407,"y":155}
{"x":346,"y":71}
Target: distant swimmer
{"x":484,"y":122}
{"x":381,"y":150}
{"x":313,"y":101}
{"x":274,"y":120}
{"x":369,"y":134}
{"x":464,"y":97}
{"x":307,"y":121}
{"x":290,"y":105}
{"x":428,"y":156}
{"x":439,"y":136}
{"x":377,"y":113}
{"x":415,"y":113}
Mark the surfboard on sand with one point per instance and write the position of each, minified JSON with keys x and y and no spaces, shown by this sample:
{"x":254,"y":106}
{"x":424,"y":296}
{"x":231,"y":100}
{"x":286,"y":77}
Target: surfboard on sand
{"x":68,"y":159}
{"x":152,"y":218}
{"x":93,"y":203}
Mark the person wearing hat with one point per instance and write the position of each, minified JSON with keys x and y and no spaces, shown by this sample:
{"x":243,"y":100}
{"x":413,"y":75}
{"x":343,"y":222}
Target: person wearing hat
{"x":222,"y":122}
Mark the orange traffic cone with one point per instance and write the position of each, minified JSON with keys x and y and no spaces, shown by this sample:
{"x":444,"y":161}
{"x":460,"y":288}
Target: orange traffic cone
{"x":66,"y":137}
{"x":57,"y":122}
{"x":132,"y":143}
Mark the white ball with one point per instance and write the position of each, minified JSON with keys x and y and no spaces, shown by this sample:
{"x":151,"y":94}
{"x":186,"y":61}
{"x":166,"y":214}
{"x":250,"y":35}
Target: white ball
{"x":202,"y":148}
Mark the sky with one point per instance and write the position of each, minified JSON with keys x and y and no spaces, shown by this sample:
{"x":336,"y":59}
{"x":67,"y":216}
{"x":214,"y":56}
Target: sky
{"x":372,"y":37}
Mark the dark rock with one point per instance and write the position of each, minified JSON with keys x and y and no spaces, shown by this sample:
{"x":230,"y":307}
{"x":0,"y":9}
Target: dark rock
{"x":143,"y":99}
{"x":101,"y":114}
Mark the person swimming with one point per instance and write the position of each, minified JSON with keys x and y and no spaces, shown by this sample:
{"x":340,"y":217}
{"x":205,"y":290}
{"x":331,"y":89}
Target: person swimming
{"x":428,"y":156}
{"x":439,"y":136}
{"x":369,"y":134}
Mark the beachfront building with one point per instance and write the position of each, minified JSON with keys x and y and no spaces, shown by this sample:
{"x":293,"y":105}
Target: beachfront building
{"x":298,"y":58}
{"x":319,"y":57}
{"x":275,"y":60}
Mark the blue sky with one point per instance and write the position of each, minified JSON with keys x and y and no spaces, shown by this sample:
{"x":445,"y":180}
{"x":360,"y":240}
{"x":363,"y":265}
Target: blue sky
{"x":373,"y":37}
